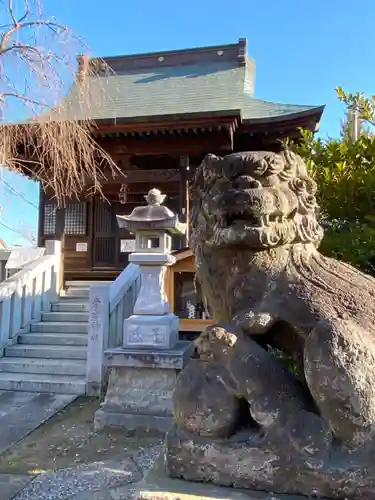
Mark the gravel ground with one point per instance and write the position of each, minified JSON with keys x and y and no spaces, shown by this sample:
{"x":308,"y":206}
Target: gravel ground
{"x":145,"y":457}
{"x":121,"y":493}
{"x":105,"y":480}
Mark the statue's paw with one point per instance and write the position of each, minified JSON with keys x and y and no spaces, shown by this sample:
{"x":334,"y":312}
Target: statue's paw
{"x":204,"y":402}
{"x":214,"y":340}
{"x":254,"y":323}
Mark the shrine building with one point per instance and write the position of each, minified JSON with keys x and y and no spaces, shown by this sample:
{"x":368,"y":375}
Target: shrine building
{"x":161,"y":114}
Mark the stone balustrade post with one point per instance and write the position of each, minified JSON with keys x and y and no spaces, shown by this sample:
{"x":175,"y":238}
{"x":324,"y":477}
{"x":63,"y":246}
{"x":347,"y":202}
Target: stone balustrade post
{"x":53,"y":247}
{"x":97,"y":338}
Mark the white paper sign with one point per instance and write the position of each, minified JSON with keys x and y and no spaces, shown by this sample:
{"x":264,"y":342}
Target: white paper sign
{"x":81,"y":247}
{"x":127,"y":246}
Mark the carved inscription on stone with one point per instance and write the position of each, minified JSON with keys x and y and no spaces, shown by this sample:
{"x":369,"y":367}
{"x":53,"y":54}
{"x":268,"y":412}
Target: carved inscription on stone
{"x":95,"y":318}
{"x":147,"y":334}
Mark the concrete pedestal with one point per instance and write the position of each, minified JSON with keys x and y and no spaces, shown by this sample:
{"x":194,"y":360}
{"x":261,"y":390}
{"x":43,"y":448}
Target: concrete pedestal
{"x":156,"y":485}
{"x":140,"y":387}
{"x":151,"y":332}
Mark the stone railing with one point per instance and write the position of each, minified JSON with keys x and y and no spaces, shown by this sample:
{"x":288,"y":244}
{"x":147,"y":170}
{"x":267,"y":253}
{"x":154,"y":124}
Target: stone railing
{"x":109,"y":305}
{"x":123,"y":294}
{"x":28,"y":293}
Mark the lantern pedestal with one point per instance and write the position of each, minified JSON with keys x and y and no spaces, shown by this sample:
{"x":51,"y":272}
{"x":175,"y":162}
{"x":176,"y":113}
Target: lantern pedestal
{"x":140,"y":388}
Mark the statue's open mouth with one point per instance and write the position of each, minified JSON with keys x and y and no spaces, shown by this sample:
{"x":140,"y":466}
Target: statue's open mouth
{"x":253,"y":208}
{"x":239,"y":228}
{"x":250,"y":221}
{"x":243,"y":227}
{"x":237,"y":219}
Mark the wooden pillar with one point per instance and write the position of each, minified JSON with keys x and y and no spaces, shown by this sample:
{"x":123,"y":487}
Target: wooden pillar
{"x":90,"y":227}
{"x":184,"y":195}
{"x":60,"y":222}
{"x":40,"y":215}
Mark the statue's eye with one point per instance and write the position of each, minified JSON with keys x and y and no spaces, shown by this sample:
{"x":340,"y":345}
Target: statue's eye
{"x":246,"y":182}
{"x":208,"y":174}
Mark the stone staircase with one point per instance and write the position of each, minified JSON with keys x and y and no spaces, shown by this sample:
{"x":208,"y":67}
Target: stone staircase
{"x":52,"y":357}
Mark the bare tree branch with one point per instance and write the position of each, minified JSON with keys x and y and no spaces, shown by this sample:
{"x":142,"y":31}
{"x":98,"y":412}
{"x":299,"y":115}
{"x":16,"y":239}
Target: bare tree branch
{"x":5,"y":95}
{"x":37,"y":68}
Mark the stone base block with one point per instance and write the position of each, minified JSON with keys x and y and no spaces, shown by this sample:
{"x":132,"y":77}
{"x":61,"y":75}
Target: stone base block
{"x":140,"y":387}
{"x":151,"y":332}
{"x":156,"y":485}
{"x":132,"y":424}
{"x":250,"y":461}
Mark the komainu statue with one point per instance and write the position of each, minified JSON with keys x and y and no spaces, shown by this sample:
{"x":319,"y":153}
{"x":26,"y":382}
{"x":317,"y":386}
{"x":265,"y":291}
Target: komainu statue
{"x":243,"y":416}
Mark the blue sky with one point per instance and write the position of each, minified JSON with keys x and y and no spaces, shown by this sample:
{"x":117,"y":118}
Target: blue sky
{"x":303,"y":50}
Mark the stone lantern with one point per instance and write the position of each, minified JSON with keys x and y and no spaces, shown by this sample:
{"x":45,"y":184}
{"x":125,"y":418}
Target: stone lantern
{"x":143,"y":373}
{"x":152,"y":323}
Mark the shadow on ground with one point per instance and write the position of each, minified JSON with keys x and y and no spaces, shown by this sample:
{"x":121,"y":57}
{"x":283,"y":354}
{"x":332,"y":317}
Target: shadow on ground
{"x":69,"y":439}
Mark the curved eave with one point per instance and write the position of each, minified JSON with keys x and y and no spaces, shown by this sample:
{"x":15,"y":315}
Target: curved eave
{"x":313,"y":114}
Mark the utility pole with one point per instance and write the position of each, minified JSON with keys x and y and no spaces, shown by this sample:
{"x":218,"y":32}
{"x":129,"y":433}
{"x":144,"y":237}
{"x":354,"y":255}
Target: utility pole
{"x":356,"y":125}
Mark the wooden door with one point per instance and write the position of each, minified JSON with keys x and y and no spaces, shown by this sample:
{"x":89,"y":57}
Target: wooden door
{"x":105,"y":248}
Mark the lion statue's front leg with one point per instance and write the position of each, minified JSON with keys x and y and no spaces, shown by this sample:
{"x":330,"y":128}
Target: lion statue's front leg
{"x":235,"y":384}
{"x":239,"y":400}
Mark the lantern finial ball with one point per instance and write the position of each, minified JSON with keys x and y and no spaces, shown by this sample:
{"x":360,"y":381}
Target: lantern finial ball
{"x":155,"y":197}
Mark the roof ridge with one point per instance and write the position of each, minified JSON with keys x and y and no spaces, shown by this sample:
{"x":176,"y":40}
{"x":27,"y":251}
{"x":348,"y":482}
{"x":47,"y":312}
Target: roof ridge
{"x":236,"y":52}
{"x":220,"y":65}
{"x":139,"y":55}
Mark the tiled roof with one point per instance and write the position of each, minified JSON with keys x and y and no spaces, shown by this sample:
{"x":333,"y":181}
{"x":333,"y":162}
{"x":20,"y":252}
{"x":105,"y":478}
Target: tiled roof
{"x":211,"y":84}
{"x":165,"y":91}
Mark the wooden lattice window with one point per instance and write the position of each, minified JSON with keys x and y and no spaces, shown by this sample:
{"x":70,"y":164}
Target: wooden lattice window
{"x":49,"y":218}
{"x":75,"y":218}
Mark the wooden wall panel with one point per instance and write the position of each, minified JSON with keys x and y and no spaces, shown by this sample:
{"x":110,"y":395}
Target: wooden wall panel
{"x":74,"y":260}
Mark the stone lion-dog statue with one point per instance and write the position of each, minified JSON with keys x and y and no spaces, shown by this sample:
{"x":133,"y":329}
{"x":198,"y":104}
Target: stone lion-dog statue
{"x":242,"y":418}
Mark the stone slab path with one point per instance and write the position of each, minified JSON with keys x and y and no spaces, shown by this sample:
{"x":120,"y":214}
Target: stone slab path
{"x":22,"y":412}
{"x":11,"y":484}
